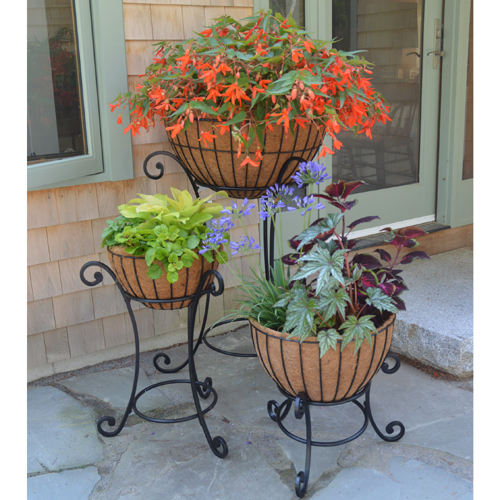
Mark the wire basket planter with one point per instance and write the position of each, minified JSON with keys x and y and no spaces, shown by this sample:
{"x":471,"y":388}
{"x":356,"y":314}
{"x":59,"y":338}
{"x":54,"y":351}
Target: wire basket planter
{"x":217,"y":166}
{"x":131,"y":273}
{"x":297,"y":367}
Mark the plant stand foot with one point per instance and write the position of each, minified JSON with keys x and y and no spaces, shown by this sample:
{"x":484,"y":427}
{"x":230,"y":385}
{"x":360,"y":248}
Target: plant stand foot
{"x":200,"y":390}
{"x":302,"y":407}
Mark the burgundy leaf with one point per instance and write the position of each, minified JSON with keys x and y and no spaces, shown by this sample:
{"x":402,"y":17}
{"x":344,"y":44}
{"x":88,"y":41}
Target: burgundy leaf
{"x":335,"y":190}
{"x":387,"y":288}
{"x":290,"y":259}
{"x":386,"y":229}
{"x":350,"y":187}
{"x":366,"y":260}
{"x":385,"y":256}
{"x":400,"y":287}
{"x":411,"y":231}
{"x":399,"y":303}
{"x":399,"y":241}
{"x":294,"y":243}
{"x":349,"y":204}
{"x":410,"y":257}
{"x":368,"y":280}
{"x":362,"y":221}
{"x":351,"y":244}
{"x":410,"y":244}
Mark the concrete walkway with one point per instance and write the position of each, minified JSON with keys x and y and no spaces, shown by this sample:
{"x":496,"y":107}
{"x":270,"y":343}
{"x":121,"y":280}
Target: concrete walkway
{"x":68,"y":459}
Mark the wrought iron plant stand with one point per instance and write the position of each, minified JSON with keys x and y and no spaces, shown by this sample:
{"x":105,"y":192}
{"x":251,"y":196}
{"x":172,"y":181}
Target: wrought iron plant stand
{"x":278,"y":412}
{"x":199,"y":389}
{"x":302,"y":407}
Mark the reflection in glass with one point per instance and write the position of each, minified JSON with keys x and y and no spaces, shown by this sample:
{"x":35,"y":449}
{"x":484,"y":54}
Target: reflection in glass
{"x":390,"y":34}
{"x":284,"y":7}
{"x":55,"y":117}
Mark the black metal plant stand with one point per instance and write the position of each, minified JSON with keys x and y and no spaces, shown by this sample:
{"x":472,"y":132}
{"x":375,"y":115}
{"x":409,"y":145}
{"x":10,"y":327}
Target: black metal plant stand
{"x":268,"y":232}
{"x":302,"y":406}
{"x":199,"y":389}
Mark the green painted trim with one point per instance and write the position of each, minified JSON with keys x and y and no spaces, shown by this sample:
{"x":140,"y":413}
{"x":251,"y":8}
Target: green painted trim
{"x":110,"y":64}
{"x":454,"y":199}
{"x":44,"y":173}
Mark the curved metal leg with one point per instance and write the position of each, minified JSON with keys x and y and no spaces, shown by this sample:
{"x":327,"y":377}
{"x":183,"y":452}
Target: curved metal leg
{"x":276,"y":411}
{"x":301,"y":408}
{"x":111,"y":421}
{"x":395,"y":423}
{"x":217,"y":444}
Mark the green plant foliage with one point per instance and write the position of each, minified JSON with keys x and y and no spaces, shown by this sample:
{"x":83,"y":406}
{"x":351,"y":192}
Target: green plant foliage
{"x":168,"y":232}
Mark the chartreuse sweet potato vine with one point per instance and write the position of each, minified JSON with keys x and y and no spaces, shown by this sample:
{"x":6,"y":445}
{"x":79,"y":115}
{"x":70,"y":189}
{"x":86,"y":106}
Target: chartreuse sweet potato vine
{"x":171,"y":231}
{"x":253,"y":76}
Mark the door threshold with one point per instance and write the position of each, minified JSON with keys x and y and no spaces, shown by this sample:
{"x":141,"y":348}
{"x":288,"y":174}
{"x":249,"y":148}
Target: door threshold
{"x":380,"y":239}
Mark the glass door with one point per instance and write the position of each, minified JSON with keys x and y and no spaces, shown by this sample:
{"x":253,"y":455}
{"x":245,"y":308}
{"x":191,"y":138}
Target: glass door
{"x":399,"y":164}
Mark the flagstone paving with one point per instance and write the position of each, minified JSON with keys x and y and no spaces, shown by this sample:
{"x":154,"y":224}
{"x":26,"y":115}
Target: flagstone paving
{"x":67,"y":458}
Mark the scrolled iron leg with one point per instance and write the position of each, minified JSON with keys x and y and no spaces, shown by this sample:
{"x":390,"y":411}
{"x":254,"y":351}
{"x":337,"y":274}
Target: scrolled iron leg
{"x":301,"y":409}
{"x":111,"y":421}
{"x":395,"y":423}
{"x":276,"y":411}
{"x":217,"y":444}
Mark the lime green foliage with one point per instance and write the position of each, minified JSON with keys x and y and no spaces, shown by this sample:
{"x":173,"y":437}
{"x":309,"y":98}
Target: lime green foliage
{"x":168,"y":230}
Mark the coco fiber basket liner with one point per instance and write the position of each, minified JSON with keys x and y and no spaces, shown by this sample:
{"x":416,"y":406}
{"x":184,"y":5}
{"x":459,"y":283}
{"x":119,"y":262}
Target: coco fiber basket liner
{"x":131,"y":273}
{"x":297,"y":367}
{"x":216,"y":164}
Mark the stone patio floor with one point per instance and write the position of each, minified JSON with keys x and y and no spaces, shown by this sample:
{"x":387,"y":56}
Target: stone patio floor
{"x":69,"y":459}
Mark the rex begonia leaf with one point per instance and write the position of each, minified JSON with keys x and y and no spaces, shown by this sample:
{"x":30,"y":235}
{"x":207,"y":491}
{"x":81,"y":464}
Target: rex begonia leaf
{"x":378,"y":299}
{"x":357,"y":329}
{"x":328,"y":223}
{"x":320,"y":261}
{"x":333,"y":301}
{"x":328,"y":338}
{"x":300,"y":318}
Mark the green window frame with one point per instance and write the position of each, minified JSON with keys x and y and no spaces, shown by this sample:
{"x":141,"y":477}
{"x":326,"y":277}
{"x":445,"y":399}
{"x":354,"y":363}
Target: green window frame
{"x":101,"y":41}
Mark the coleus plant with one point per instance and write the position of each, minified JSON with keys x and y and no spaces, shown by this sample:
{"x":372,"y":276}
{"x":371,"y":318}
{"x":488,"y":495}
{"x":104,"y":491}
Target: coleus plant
{"x":348,"y":297}
{"x":248,"y":78}
{"x":171,"y":231}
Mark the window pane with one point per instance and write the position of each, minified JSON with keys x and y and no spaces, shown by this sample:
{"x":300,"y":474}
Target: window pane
{"x":296,"y":7}
{"x":390,"y":34}
{"x":55,"y":111}
{"x":468,"y":168}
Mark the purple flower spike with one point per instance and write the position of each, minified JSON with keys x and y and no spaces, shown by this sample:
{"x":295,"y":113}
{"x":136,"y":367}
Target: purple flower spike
{"x":310,"y":173}
{"x":244,"y":244}
{"x":236,"y":213}
{"x":306,"y":203}
{"x":277,"y":197}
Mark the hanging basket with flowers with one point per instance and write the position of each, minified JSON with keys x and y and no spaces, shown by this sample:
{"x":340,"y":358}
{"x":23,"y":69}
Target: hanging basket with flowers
{"x":240,"y":100}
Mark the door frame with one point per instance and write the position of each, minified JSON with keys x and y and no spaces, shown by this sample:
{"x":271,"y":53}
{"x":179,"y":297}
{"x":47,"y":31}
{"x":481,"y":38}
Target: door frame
{"x":454,"y":205}
{"x":454,"y":196}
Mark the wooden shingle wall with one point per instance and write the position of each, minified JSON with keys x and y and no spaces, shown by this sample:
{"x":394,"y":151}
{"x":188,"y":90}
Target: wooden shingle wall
{"x":66,"y":319}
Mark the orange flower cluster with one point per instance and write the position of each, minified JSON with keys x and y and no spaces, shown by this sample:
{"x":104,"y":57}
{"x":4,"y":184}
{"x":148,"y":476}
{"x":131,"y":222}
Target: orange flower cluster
{"x":247,"y":78}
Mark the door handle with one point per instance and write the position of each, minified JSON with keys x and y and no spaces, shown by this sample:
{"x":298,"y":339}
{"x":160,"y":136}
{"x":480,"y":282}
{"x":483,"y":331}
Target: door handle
{"x":410,"y":53}
{"x":438,"y":40}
